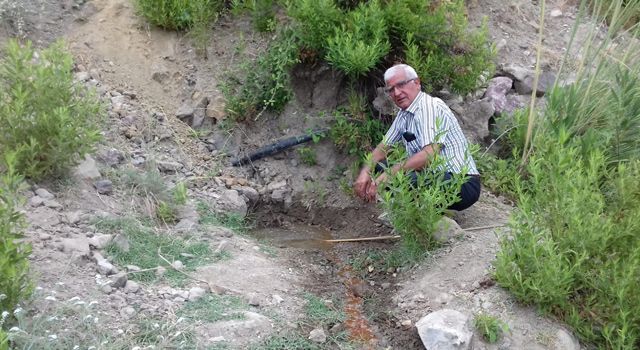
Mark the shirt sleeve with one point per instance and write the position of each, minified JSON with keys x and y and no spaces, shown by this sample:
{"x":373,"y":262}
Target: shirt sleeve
{"x":394,"y":133}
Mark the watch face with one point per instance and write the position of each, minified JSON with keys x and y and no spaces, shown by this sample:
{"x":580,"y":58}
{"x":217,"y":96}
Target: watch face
{"x":408,"y":136}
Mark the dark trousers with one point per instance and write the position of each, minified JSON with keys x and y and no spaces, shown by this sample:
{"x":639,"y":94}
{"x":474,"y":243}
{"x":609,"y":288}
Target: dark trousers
{"x":469,"y":192}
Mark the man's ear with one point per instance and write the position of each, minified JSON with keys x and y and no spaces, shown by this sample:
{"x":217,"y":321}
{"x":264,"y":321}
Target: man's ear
{"x":417,"y":81}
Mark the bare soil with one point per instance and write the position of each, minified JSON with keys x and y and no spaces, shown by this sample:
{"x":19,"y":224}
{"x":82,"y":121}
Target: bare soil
{"x":109,"y":39}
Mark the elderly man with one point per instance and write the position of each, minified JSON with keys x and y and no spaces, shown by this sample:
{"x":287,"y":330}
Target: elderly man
{"x":427,"y":127}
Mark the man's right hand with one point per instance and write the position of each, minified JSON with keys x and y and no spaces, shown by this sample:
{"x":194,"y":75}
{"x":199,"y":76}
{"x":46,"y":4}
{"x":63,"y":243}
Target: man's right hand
{"x":362,"y":183}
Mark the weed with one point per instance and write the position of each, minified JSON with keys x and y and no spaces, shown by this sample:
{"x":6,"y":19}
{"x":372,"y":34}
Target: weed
{"x":212,"y":308}
{"x":313,"y":195}
{"x":148,"y":248}
{"x":285,"y":342}
{"x":47,"y":118}
{"x":180,"y":195}
{"x":179,"y":14}
{"x":264,"y":19}
{"x":157,"y":333}
{"x":322,"y":312}
{"x":15,"y":284}
{"x":356,"y":137}
{"x":232,"y":221}
{"x":415,"y":209}
{"x":490,"y":327}
{"x":307,"y":155}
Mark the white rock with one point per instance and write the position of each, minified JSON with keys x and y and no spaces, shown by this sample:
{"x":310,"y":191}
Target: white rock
{"x":318,"y":336}
{"x":106,"y":268}
{"x":36,"y":201}
{"x":445,"y":329}
{"x":196,"y":293}
{"x":178,"y":265}
{"x":277,"y":299}
{"x":131,"y":287}
{"x":100,"y":241}
{"x":564,"y":340}
{"x":555,"y":13}
{"x":276,"y":185}
{"x":447,"y":229}
{"x":44,"y":194}
{"x":87,"y":169}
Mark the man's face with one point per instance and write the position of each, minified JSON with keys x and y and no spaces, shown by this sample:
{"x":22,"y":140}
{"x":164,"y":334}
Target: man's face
{"x":401,"y":90}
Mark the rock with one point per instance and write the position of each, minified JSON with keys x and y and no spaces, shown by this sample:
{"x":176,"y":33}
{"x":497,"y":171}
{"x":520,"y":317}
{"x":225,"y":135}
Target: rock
{"x":564,"y":340}
{"x":73,"y":217}
{"x":555,"y":13}
{"x":168,"y":166}
{"x":445,"y":329}
{"x":230,"y":201}
{"x":133,"y":268}
{"x":52,"y":203}
{"x":160,"y":271}
{"x":196,"y":293}
{"x":185,"y":113}
{"x":36,"y":201}
{"x":254,"y":300}
{"x":273,"y":186}
{"x":78,"y":246}
{"x":122,"y":242}
{"x":118,"y":280}
{"x":475,"y":119}
{"x":318,"y":336}
{"x":44,"y":194}
{"x":496,"y":92}
{"x":185,"y":225}
{"x":131,"y":287}
{"x":82,"y":76}
{"x":406,"y":324}
{"x":104,"y":186}
{"x":277,"y":299}
{"x":250,"y":193}
{"x":104,"y":267}
{"x":178,"y":265}
{"x":100,"y":241}
{"x":160,"y":76}
{"x":199,"y":115}
{"x":128,"y":312}
{"x":278,"y":196}
{"x":106,"y":289}
{"x":383,"y":104}
{"x":517,"y":72}
{"x":515,"y":102}
{"x":87,"y":170}
{"x":447,"y":229}
{"x":252,"y":325}
{"x":545,"y":83}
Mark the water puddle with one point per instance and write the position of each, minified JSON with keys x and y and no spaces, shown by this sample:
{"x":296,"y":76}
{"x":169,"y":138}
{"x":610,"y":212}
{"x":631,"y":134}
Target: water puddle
{"x":296,"y":236}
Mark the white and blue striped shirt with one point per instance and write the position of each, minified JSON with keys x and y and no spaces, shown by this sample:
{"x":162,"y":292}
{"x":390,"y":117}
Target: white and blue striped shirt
{"x":432,"y":122}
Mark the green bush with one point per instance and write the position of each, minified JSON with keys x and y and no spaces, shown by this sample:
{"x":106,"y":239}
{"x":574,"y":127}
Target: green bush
{"x":490,"y":327}
{"x":179,"y":14}
{"x":45,"y":116}
{"x":574,"y":245}
{"x":15,"y":284}
{"x":266,"y":86}
{"x":431,"y":36}
{"x":354,"y":136}
{"x":415,"y":210}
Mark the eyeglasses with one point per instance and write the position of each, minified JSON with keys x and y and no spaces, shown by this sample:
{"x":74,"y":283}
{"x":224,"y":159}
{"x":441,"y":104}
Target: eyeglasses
{"x":400,"y":85}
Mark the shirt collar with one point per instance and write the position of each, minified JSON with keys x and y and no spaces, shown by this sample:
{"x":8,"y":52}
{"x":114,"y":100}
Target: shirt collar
{"x":413,"y":107}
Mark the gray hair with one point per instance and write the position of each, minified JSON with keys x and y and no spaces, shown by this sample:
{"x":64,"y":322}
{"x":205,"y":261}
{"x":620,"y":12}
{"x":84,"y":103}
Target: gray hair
{"x":409,"y":72}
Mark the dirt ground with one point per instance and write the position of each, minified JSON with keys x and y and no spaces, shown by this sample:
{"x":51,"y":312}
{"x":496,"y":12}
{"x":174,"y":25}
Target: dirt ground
{"x":109,"y":40}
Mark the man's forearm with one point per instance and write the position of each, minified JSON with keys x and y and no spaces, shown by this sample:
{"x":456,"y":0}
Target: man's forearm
{"x":419,"y":160}
{"x":378,"y":154}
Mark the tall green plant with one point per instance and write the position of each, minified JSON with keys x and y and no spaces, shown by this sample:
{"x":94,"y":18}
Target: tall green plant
{"x":179,"y":14}
{"x":45,"y":116}
{"x":415,"y":209}
{"x":15,"y":284}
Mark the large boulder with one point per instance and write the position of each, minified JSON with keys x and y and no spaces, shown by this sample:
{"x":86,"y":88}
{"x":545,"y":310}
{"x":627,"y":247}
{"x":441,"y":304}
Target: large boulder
{"x":474,"y":119}
{"x":445,"y":329}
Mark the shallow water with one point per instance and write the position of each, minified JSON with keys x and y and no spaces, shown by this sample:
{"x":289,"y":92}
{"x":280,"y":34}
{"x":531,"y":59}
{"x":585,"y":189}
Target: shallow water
{"x":296,"y":236}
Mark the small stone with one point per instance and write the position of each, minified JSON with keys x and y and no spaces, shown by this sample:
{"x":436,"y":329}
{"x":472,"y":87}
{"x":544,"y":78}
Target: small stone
{"x":133,"y":268}
{"x":318,"y":336}
{"x":74,"y":217}
{"x":178,"y":265}
{"x":118,"y":280}
{"x":106,"y":268}
{"x":104,"y":186}
{"x":196,"y":293}
{"x":36,"y":201}
{"x":128,"y":311}
{"x":52,"y":203}
{"x":555,"y":13}
{"x":106,"y":289}
{"x":406,"y":324}
{"x":168,"y":167}
{"x":100,"y":241}
{"x":160,"y":271}
{"x":87,"y":169}
{"x":277,"y":299}
{"x":254,"y":300}
{"x":185,"y":225}
{"x":276,"y":185}
{"x":131,"y":287}
{"x":44,"y":194}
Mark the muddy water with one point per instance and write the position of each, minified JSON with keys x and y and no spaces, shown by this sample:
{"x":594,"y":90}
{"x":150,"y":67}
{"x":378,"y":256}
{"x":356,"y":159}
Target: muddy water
{"x":296,"y":236}
{"x":314,"y":238}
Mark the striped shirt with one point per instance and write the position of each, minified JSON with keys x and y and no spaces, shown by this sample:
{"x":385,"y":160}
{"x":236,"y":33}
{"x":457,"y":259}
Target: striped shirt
{"x":432,"y":122}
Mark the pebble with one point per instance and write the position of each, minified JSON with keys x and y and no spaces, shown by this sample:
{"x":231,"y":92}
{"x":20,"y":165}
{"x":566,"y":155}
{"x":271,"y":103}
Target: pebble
{"x":318,"y":336}
{"x":44,"y":194}
{"x":36,"y":201}
{"x":131,"y":287}
{"x":178,"y":265}
{"x":196,"y":293}
{"x":277,"y":299}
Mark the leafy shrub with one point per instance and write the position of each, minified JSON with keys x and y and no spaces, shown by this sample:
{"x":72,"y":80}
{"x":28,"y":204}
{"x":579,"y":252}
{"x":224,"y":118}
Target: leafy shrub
{"x":179,"y":14}
{"x":574,"y":246}
{"x":15,"y":284}
{"x":267,"y":85}
{"x":490,"y":327}
{"x":356,"y":137}
{"x":433,"y":37}
{"x":415,"y":210}
{"x":46,"y":117}
{"x":307,"y":155}
{"x":264,"y":19}
{"x":154,"y":197}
